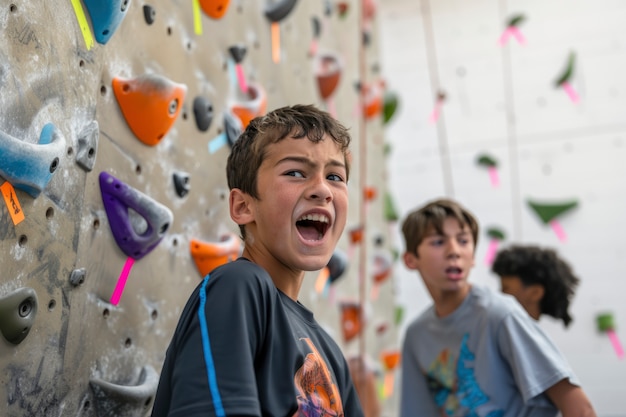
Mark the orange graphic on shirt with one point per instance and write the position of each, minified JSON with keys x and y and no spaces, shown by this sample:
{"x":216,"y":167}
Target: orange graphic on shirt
{"x":318,"y":395}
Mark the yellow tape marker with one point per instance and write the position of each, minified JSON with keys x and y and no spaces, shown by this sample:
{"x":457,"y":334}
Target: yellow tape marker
{"x":13,"y":204}
{"x":82,"y":22}
{"x":197,"y":17}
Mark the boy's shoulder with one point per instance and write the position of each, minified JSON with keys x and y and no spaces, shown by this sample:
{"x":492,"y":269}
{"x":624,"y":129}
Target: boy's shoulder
{"x":481,"y":303}
{"x":487,"y":302}
{"x":240,"y":272}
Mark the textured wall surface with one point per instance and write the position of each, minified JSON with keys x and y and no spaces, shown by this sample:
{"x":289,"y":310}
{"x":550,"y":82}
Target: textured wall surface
{"x":68,"y":348}
{"x":550,"y":147}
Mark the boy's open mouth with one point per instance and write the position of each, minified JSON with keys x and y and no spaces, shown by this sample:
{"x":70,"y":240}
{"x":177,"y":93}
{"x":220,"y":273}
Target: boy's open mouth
{"x":313,"y":226}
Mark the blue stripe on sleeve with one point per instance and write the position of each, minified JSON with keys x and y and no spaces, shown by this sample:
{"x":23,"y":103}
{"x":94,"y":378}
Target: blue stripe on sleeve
{"x":208,"y":356}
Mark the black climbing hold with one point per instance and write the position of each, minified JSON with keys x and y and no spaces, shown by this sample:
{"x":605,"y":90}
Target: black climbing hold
{"x":203,"y":113}
{"x":149,"y":13}
{"x":181,"y":183}
{"x":232,"y":127}
{"x":238,"y":52}
{"x":317,"y":26}
{"x":279,"y":10}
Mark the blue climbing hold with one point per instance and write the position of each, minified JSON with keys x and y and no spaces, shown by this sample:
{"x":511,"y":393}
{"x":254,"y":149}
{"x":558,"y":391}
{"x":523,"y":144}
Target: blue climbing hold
{"x":27,"y":166}
{"x":106,"y":16}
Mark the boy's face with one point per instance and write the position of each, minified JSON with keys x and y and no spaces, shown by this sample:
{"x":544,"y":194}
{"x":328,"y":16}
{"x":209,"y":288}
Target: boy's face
{"x":302,"y":206}
{"x":444,"y":261}
{"x":529,"y":296}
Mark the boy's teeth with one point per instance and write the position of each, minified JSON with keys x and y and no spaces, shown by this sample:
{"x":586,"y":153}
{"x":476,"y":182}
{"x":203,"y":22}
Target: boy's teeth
{"x":315,"y":218}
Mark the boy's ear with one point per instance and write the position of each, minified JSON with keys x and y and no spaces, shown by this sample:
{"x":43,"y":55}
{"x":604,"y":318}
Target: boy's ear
{"x":240,"y":208}
{"x":410,"y":260}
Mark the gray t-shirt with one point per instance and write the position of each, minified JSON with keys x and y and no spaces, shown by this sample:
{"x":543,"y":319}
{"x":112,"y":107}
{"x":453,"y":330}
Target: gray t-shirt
{"x":488,"y":358}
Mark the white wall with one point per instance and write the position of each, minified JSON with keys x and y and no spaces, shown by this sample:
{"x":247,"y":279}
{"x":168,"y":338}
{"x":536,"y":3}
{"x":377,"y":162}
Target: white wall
{"x":502,"y":101}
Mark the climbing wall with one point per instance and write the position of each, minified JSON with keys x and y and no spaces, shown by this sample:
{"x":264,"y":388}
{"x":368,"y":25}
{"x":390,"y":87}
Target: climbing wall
{"x":116,"y":123}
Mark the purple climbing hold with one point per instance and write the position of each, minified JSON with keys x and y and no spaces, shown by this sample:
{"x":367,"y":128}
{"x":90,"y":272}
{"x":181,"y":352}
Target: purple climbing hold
{"x":118,"y":197}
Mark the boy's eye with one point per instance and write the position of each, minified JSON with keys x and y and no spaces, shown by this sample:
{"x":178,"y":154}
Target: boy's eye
{"x":297,"y":174}
{"x":335,"y":177}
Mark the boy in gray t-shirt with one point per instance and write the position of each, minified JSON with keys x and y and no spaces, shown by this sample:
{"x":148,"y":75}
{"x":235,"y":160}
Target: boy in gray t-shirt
{"x":474,"y":352}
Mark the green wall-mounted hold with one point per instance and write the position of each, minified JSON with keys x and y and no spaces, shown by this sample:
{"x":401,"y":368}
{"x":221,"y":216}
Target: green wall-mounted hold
{"x":605,"y":322}
{"x":550,"y":211}
{"x":495,"y":233}
{"x":486,"y":160}
{"x":390,"y":105}
{"x":566,"y":75}
{"x":391,"y":214}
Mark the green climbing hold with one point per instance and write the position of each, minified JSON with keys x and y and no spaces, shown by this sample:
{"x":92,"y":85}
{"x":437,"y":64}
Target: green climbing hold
{"x":390,"y":105}
{"x":549,"y":212}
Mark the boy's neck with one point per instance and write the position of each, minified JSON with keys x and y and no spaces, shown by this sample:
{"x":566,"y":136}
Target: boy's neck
{"x":287,"y":280}
{"x":446,"y":303}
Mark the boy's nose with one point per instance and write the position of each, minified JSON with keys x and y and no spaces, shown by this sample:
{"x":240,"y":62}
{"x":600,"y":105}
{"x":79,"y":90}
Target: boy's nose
{"x":453,"y":249}
{"x":320,"y":190}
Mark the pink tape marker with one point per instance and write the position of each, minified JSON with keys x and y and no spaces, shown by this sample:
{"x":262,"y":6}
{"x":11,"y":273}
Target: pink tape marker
{"x":375,"y":291}
{"x":241,"y":79}
{"x":504,"y":38}
{"x":512,"y":31}
{"x":617,"y":346}
{"x":560,"y":233}
{"x":491,"y":251}
{"x":351,"y":251}
{"x":517,"y":35}
{"x":313,"y":48}
{"x":434,"y":116}
{"x":571,"y":93}
{"x":332,"y":109}
{"x":493,"y":175}
{"x":121,"y":281}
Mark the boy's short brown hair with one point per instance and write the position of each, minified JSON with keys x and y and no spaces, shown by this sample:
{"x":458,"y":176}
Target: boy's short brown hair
{"x":418,"y":222}
{"x":297,"y":121}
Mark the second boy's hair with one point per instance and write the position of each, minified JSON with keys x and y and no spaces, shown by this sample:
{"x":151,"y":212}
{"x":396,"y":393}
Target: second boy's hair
{"x":432,"y":215}
{"x":534,"y":265}
{"x":298,"y":121}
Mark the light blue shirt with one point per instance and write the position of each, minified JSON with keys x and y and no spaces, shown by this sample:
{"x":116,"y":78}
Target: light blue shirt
{"x":486,"y":359}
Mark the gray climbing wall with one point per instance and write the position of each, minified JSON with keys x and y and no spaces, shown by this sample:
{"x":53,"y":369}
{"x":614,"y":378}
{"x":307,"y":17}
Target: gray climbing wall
{"x":114,"y":134}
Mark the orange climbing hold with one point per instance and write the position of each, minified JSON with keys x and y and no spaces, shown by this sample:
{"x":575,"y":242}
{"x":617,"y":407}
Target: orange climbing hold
{"x":356,"y":235}
{"x":370,"y":193}
{"x":328,"y":72}
{"x":210,"y":255}
{"x":256,"y":104}
{"x":351,"y":323}
{"x":373,"y":101}
{"x":390,"y":358}
{"x":150,"y":104}
{"x":383,"y":267}
{"x":215,"y":9}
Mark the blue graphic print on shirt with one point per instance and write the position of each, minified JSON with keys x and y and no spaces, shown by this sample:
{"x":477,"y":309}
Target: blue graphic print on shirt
{"x":454,"y":384}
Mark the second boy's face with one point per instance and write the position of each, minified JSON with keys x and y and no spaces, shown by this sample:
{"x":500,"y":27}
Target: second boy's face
{"x":444,"y":261}
{"x":303,"y":201}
